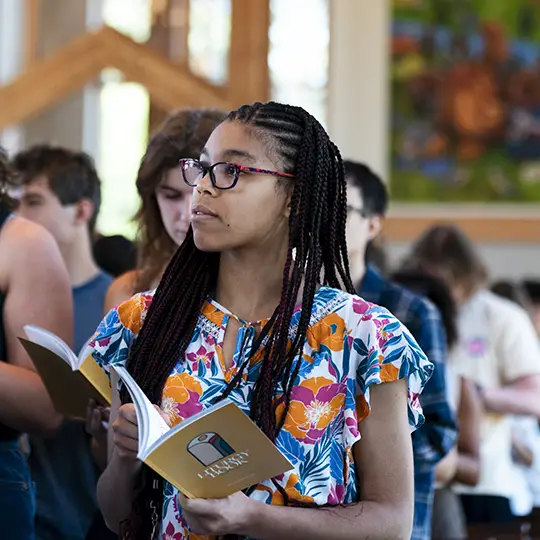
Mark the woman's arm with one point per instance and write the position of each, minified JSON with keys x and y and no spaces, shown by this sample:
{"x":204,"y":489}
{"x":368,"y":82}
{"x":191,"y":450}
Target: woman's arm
{"x":385,"y":468}
{"x":470,"y":414}
{"x":38,"y":291}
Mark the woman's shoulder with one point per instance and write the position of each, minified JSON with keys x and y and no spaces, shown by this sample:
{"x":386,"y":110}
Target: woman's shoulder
{"x":352,"y":308}
{"x":119,"y":329}
{"x":121,"y":289}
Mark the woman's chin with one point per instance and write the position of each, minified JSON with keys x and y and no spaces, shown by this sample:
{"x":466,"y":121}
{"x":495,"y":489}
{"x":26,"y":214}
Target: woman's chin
{"x":208,"y":244}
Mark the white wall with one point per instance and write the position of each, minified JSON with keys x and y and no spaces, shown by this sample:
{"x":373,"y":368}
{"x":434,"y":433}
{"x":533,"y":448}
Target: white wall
{"x":509,"y":261}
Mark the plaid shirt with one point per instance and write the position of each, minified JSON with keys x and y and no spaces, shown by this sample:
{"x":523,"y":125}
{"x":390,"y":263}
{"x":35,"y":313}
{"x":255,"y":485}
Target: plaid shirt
{"x":437,"y":436}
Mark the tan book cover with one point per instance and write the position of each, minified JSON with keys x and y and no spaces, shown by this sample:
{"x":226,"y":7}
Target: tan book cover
{"x":70,"y":380}
{"x":210,"y":455}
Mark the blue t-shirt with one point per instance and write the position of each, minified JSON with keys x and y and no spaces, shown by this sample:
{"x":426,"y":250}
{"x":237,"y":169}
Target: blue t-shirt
{"x":88,"y":304}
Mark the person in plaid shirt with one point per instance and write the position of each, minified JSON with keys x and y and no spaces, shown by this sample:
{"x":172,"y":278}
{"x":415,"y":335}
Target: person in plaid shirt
{"x":367,"y":205}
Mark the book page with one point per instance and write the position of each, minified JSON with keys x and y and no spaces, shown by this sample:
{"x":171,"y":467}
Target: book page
{"x":90,"y":369}
{"x":52,"y":342}
{"x":151,"y":424}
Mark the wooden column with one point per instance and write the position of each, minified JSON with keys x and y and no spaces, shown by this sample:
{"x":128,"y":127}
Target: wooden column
{"x":31,"y":31}
{"x":169,"y":35}
{"x":248,"y":78}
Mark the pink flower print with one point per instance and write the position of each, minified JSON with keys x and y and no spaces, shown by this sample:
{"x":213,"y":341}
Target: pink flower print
{"x":202,"y":355}
{"x":360,"y":306}
{"x":382,"y":335}
{"x":336,"y":495}
{"x":352,"y":425}
{"x":171,"y":534}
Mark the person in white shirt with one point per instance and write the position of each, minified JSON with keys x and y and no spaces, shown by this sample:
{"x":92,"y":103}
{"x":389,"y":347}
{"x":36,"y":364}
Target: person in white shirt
{"x":498,"y":349}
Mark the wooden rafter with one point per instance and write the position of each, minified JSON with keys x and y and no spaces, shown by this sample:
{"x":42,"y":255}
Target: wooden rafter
{"x":48,"y":81}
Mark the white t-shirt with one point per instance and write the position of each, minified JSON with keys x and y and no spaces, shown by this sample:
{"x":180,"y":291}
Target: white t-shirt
{"x":497,"y":345}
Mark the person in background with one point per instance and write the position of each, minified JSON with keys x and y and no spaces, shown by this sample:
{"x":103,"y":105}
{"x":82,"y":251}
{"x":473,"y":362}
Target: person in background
{"x":115,"y":254}
{"x":525,"y":431}
{"x":462,"y":463}
{"x":60,"y":190}
{"x":34,"y":289}
{"x":532,"y":287}
{"x":367,"y":200}
{"x":164,"y":215}
{"x":498,"y":350}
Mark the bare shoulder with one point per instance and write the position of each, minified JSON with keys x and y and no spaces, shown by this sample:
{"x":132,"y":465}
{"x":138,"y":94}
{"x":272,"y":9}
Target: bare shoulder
{"x":26,"y":246}
{"x":121,"y":289}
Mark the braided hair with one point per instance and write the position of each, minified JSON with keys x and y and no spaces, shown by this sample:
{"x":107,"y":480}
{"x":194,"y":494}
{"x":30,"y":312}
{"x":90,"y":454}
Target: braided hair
{"x":317,"y":252}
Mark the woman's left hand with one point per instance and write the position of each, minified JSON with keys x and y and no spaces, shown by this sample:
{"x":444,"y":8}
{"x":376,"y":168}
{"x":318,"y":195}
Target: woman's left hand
{"x":231,"y":515}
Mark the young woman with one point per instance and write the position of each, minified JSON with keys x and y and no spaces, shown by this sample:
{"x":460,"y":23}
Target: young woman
{"x":163,"y":218}
{"x":298,"y":354}
{"x":34,"y":289}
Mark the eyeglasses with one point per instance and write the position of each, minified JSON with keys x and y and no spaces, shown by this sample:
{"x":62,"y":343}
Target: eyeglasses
{"x":223,"y":175}
{"x":361,"y":211}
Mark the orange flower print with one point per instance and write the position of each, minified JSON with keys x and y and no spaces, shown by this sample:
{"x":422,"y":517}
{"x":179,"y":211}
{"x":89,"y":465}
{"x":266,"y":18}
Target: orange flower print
{"x":276,"y":498}
{"x":181,"y":397}
{"x":293,"y":483}
{"x":314,"y":404}
{"x":389,"y":372}
{"x":329,"y":332}
{"x":130,"y":312}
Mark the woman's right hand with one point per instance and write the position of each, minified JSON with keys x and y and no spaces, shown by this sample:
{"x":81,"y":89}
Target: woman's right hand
{"x":126,"y":431}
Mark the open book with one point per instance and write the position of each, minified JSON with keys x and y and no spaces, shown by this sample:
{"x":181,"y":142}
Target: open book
{"x":71,"y":380}
{"x":210,"y":455}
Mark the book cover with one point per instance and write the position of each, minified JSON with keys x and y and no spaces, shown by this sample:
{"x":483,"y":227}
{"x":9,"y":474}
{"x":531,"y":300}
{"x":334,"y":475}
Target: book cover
{"x":70,"y":381}
{"x":210,"y":455}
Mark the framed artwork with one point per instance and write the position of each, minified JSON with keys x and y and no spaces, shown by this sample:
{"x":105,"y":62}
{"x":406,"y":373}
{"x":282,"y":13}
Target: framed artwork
{"x":465,"y":88}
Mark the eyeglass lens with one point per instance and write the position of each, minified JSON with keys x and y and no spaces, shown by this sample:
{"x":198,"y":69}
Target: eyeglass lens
{"x":223,"y":175}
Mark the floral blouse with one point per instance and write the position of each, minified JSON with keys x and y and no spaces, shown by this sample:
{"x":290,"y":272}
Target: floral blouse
{"x":350,"y":345}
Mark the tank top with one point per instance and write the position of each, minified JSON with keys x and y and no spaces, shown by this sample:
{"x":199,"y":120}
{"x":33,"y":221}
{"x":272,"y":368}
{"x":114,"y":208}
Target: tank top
{"x":6,"y":433}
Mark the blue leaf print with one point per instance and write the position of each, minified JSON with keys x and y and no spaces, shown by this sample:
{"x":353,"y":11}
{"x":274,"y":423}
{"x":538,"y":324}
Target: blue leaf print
{"x":393,"y":341}
{"x":392,"y":327}
{"x":213,"y":368}
{"x":404,"y":369}
{"x":336,"y":462}
{"x":201,"y":372}
{"x":292,"y":449}
{"x":360,"y":347}
{"x":394,"y":355}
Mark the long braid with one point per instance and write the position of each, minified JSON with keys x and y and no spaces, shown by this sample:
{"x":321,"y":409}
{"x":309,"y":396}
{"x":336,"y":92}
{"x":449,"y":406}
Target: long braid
{"x":317,"y":254}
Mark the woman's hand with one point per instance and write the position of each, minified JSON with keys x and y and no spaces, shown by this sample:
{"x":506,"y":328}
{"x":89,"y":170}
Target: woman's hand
{"x":126,"y":431}
{"x":231,"y":515}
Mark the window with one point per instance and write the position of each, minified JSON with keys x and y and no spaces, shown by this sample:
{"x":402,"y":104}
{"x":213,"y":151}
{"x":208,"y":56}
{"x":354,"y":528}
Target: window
{"x":298,"y":53}
{"x":209,"y":39}
{"x":123,"y":131}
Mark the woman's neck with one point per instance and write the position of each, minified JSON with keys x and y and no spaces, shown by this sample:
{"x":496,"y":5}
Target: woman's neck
{"x":250,"y":282}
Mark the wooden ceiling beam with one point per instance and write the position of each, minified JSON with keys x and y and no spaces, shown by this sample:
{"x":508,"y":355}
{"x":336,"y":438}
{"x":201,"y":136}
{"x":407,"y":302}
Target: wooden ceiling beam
{"x":48,"y":81}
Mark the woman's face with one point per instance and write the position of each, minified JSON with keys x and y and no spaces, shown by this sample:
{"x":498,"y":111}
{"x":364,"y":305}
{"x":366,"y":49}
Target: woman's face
{"x":174,"y":201}
{"x":254,"y":213}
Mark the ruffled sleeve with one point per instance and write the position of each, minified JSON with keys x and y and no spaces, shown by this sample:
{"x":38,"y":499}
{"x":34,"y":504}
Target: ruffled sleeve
{"x":118,"y":331}
{"x":386,"y":352}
